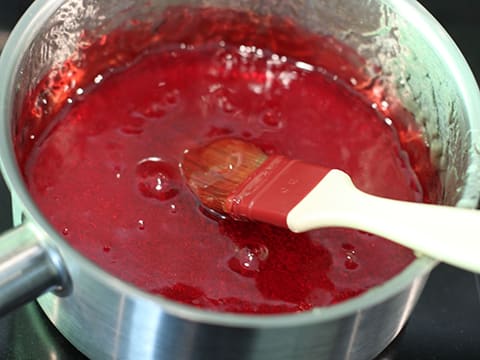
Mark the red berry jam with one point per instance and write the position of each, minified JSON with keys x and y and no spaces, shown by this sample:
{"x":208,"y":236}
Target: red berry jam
{"x":101,"y":139}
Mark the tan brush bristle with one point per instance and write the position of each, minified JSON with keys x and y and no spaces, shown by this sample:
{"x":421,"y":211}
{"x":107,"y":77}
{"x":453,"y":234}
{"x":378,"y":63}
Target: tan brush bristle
{"x":216,"y":170}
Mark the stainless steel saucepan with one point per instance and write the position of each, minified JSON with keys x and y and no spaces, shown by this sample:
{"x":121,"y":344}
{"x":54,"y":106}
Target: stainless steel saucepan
{"x":105,"y":317}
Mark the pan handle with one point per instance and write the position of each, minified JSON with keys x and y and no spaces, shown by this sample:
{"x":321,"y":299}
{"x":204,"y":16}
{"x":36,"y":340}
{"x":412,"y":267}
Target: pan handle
{"x":29,"y":267}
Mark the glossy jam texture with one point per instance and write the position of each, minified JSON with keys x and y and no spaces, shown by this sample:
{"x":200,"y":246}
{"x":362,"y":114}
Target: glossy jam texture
{"x":105,"y":172}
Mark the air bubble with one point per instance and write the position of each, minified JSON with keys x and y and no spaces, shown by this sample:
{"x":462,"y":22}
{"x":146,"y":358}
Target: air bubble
{"x":117,"y":172}
{"x":350,"y":256}
{"x":248,"y":259}
{"x":157,"y":179}
{"x":350,"y":263}
{"x":226,"y":105}
{"x":272,"y":120}
{"x":98,"y":79}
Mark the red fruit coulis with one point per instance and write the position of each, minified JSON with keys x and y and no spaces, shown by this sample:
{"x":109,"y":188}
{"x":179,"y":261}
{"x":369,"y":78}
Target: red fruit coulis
{"x":104,"y":165}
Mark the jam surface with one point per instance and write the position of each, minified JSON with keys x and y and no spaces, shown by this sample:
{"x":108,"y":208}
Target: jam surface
{"x":106,"y":174}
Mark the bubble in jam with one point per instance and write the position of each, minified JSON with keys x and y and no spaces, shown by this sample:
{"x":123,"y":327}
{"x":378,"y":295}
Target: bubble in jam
{"x":350,"y":256}
{"x":272,"y":120}
{"x":248,"y":259}
{"x":157,"y":179}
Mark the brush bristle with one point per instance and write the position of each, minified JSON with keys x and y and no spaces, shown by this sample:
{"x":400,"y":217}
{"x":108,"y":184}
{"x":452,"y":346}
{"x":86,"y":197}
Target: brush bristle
{"x":215,"y":171}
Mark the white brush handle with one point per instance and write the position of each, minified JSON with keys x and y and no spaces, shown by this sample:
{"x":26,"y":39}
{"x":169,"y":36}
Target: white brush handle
{"x":445,"y":233}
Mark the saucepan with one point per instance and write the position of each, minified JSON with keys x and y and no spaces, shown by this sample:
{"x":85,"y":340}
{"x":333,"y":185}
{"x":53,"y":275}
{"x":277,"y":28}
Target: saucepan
{"x":105,"y":317}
